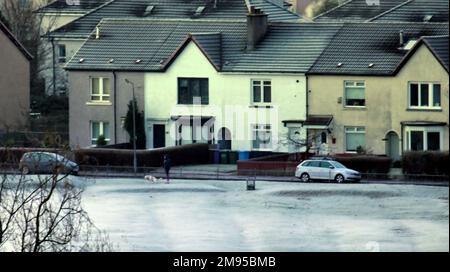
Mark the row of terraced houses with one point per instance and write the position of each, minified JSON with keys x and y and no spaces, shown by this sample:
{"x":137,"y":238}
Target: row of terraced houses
{"x":252,"y":75}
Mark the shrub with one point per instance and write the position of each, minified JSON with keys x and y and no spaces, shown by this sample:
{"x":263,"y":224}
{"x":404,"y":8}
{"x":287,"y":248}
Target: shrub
{"x":366,"y":163}
{"x":425,"y":162}
{"x":101,"y":141}
{"x":180,"y":155}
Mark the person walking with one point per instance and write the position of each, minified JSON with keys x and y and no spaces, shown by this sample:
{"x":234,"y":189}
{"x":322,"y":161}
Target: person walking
{"x":167,"y":164}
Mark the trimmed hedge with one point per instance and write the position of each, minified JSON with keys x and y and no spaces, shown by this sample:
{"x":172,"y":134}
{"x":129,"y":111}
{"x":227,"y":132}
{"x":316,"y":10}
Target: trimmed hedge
{"x":180,"y":155}
{"x":426,"y":162}
{"x":366,"y":163}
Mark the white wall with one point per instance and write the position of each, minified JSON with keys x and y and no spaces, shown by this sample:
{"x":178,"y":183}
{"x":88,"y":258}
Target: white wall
{"x":229,"y":100}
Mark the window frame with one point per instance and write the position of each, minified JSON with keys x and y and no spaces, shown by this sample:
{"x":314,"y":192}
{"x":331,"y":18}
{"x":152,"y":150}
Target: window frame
{"x":103,"y":97}
{"x":101,"y":131}
{"x":424,"y":130}
{"x":262,"y":84}
{"x":431,"y":97}
{"x":203,"y":101}
{"x":62,"y":58}
{"x":266,"y":128}
{"x":346,"y":128}
{"x":355,"y":86}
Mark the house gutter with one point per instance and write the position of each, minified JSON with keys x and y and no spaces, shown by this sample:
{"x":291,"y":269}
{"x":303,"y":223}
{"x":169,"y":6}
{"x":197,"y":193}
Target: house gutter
{"x":115,"y":105}
{"x":53,"y":65}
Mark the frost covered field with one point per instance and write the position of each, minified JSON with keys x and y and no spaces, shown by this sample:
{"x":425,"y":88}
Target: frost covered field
{"x":189,"y":215}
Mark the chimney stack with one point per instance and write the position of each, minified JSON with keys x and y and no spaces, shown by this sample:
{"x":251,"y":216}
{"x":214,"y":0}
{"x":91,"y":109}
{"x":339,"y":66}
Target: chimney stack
{"x":257,"y":24}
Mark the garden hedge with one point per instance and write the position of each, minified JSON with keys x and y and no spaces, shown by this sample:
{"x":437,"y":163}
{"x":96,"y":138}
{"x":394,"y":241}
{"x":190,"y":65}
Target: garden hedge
{"x":426,"y":162}
{"x":366,"y":163}
{"x":180,"y":155}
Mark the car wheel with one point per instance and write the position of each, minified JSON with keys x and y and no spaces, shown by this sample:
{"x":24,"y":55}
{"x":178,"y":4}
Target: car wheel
{"x":25,"y":170}
{"x":304,"y":177}
{"x":339,"y":178}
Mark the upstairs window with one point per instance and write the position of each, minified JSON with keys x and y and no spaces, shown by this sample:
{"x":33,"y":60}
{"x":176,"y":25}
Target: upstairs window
{"x":193,"y":91}
{"x":262,"y":91}
{"x":100,"y":89}
{"x":424,"y":95}
{"x":62,"y":53}
{"x":355,"y":93}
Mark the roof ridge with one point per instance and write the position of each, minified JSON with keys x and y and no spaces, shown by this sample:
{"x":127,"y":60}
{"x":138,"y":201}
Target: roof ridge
{"x":389,"y":10}
{"x":15,"y":41}
{"x":225,"y":20}
{"x":283,"y":8}
{"x":330,"y":10}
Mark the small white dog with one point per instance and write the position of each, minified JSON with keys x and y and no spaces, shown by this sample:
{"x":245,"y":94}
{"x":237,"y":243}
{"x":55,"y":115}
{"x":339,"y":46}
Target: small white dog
{"x":151,"y":178}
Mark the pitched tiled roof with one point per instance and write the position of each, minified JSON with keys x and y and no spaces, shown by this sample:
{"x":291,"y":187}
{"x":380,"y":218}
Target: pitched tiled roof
{"x":416,"y":11}
{"x":358,"y":10}
{"x":181,"y":9}
{"x":287,"y":47}
{"x":371,"y":48}
{"x":63,"y":6}
{"x":14,"y":40}
{"x":439,"y":47}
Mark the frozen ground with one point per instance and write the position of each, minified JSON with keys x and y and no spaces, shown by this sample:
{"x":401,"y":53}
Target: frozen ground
{"x":192,"y":215}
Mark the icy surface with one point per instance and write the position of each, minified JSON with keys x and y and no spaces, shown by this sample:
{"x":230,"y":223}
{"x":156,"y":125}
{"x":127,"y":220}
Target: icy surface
{"x":189,"y":215}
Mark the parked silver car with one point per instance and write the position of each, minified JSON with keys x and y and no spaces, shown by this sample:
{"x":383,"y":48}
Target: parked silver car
{"x":46,"y":163}
{"x":325,"y":170}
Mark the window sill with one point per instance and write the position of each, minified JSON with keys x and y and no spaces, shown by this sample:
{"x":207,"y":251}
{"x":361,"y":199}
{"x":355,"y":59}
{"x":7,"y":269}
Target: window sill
{"x":99,"y":103}
{"x":262,"y":149}
{"x":363,"y":108}
{"x":425,"y":109}
{"x":261,"y":106}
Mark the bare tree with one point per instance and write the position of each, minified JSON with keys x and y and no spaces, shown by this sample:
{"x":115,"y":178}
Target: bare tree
{"x":44,"y":213}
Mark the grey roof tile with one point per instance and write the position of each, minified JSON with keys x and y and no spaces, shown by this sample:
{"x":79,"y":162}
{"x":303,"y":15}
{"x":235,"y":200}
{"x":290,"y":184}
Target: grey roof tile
{"x":416,"y":11}
{"x":439,"y":46}
{"x":181,"y":9}
{"x":358,"y":10}
{"x":357,"y":45}
{"x":64,"y":6}
{"x":287,"y":47}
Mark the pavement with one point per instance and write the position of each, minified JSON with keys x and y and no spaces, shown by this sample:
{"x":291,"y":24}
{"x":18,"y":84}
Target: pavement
{"x":229,"y":172}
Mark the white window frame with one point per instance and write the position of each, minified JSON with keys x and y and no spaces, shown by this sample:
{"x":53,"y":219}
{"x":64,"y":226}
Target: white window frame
{"x":101,"y":125}
{"x":424,"y":130}
{"x":355,"y":131}
{"x":266,"y":128}
{"x":430,"y":95}
{"x":262,"y":85}
{"x":355,"y":85}
{"x":103,"y":97}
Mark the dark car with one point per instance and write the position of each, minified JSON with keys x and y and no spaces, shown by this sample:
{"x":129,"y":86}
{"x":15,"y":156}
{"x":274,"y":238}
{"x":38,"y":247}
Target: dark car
{"x":46,"y":163}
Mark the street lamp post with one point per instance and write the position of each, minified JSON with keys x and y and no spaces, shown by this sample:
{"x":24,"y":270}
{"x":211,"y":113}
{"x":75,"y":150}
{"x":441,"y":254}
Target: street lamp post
{"x":134,"y":126}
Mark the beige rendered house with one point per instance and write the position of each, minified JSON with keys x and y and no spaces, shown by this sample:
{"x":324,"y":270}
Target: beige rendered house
{"x":14,"y":81}
{"x":387,"y":94}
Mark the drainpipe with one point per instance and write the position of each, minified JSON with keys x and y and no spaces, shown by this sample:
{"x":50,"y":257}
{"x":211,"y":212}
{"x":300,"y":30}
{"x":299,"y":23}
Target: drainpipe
{"x":115,"y":106}
{"x":53,"y":65}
